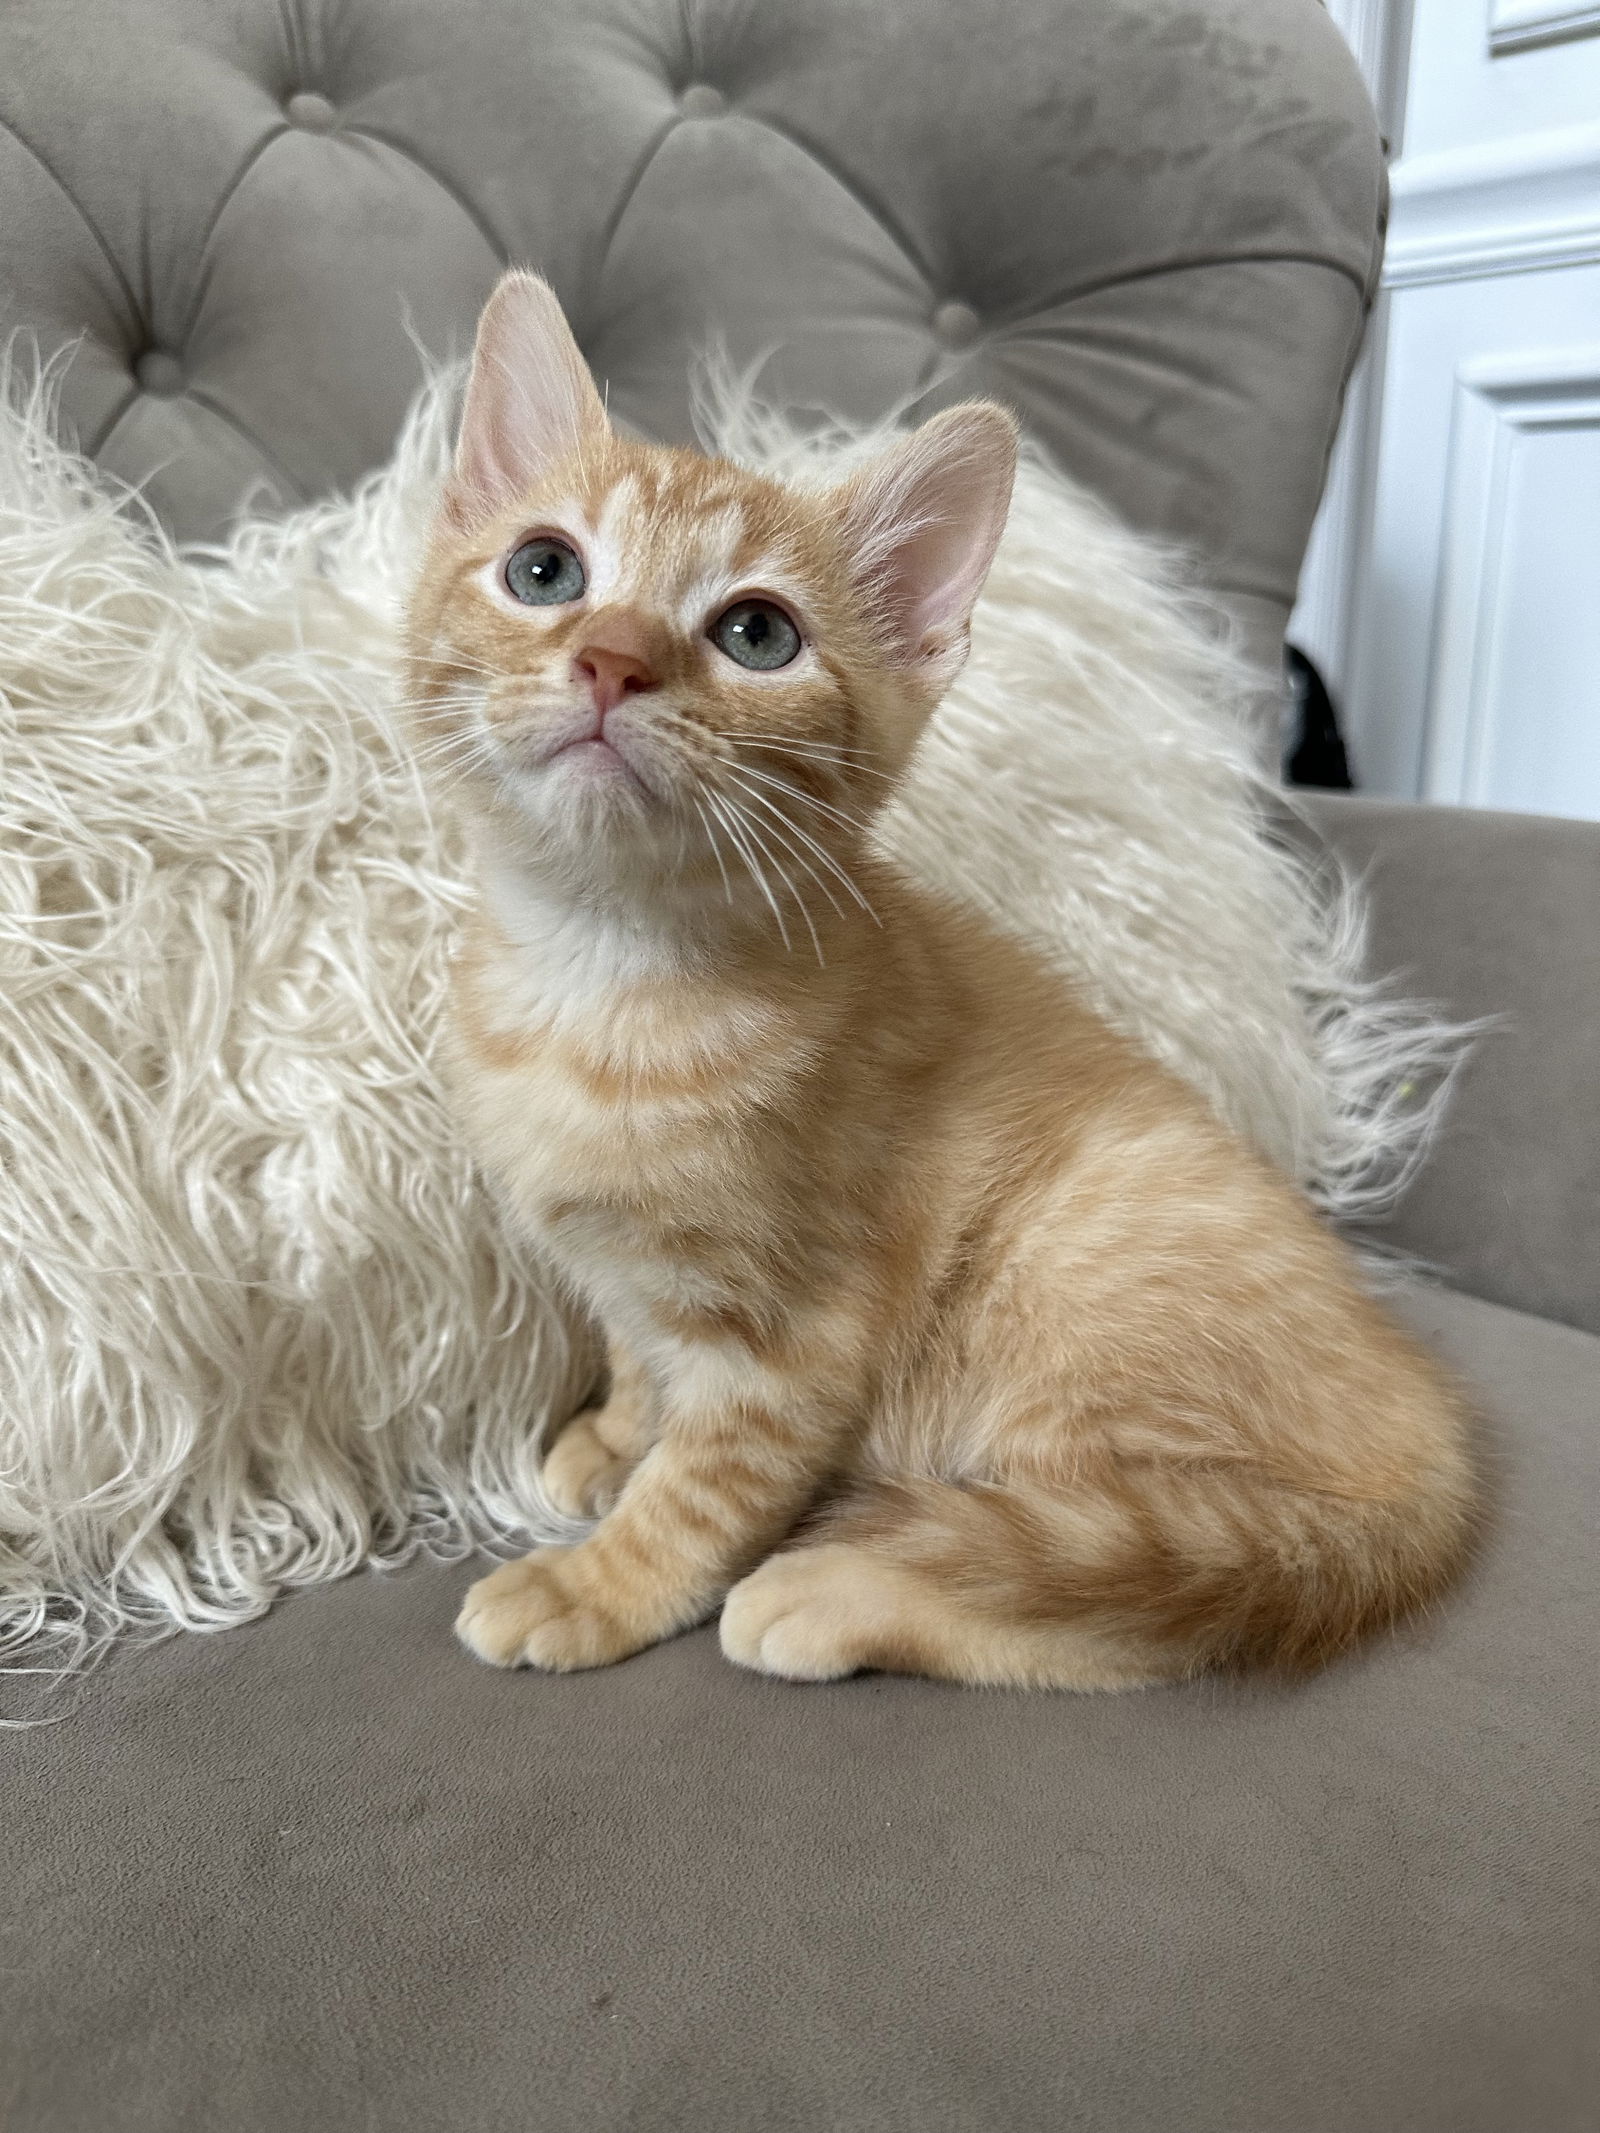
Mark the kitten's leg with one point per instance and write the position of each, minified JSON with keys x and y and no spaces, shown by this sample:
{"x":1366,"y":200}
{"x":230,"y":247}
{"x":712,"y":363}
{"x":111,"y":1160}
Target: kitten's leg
{"x":719,"y":1488}
{"x":1149,"y":1570}
{"x":590,"y":1461}
{"x":1146,"y":1570}
{"x":834,"y":1606}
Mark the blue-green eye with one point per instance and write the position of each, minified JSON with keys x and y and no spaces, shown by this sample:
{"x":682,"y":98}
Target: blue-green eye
{"x":544,"y":573}
{"x":756,"y":634}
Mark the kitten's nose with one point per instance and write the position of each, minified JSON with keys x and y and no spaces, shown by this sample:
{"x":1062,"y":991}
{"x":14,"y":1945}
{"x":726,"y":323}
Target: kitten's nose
{"x":611,"y":674}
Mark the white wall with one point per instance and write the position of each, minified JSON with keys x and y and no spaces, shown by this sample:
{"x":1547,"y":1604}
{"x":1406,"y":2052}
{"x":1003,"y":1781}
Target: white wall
{"x":1453,"y":592}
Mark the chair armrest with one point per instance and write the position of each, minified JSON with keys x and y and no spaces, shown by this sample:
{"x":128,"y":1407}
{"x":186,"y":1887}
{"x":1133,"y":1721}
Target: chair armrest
{"x":1497,"y":915}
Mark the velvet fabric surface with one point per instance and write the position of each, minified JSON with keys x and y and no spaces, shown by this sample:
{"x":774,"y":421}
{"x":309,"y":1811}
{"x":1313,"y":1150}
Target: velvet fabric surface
{"x":1497,"y":916}
{"x":327,"y":1872}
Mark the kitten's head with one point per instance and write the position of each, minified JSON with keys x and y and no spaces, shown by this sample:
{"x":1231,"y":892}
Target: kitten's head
{"x":645,"y":662}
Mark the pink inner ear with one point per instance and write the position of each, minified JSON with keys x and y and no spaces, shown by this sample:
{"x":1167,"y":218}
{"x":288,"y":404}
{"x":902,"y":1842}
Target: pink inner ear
{"x":922,"y":524}
{"x":530,"y":400}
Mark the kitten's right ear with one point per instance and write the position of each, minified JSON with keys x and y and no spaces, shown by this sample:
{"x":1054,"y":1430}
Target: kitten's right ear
{"x":530,"y":401}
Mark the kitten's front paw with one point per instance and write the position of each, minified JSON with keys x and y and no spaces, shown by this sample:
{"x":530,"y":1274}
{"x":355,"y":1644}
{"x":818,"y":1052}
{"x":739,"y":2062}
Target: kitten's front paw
{"x":543,"y":1611}
{"x":583,"y":1476}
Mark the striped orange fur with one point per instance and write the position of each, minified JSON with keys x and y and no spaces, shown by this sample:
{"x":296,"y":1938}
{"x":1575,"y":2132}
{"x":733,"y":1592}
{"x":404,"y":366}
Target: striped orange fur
{"x":947,"y":1331}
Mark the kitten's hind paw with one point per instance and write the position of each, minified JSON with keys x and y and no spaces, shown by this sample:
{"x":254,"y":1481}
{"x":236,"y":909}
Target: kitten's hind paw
{"x":814,"y":1613}
{"x":583,"y":1476}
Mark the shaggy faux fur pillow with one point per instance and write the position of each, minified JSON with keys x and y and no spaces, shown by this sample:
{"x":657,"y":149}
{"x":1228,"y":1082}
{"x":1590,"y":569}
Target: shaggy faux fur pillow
{"x":262,"y":1324}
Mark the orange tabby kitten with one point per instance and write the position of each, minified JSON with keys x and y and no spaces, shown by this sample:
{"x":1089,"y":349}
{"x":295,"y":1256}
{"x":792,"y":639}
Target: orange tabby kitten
{"x":947,"y":1332}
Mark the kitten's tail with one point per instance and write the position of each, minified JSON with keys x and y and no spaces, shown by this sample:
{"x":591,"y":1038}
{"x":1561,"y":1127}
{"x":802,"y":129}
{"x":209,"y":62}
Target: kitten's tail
{"x":1173,"y":1568}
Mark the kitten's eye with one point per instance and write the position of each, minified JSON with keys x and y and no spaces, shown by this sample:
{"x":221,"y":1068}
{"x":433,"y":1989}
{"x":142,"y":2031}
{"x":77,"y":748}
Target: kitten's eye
{"x":756,"y":634}
{"x":544,"y":573}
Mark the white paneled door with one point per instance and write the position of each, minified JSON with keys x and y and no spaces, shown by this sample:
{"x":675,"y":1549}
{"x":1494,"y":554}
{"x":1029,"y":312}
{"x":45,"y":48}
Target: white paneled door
{"x":1453,"y":591}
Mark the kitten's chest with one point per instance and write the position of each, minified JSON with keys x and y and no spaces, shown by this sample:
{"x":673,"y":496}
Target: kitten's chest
{"x":605,"y":1105}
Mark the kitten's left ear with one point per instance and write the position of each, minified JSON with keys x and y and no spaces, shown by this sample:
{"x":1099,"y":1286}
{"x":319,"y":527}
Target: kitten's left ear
{"x":921,"y":524}
{"x":530,"y":401}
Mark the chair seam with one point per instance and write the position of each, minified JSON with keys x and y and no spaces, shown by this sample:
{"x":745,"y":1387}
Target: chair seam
{"x":135,"y":310}
{"x":452,"y":192}
{"x":247,"y":163}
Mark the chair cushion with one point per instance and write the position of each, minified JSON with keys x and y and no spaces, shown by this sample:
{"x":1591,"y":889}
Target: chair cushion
{"x":1494,"y":915}
{"x":326,"y":1873}
{"x":1151,"y":225}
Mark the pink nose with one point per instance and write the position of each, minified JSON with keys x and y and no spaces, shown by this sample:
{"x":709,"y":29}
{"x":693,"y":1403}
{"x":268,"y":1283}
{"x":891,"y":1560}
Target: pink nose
{"x":610,"y":675}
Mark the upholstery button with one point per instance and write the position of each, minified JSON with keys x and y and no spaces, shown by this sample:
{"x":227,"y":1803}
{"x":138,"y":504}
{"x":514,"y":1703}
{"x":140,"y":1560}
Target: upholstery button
{"x":701,"y":101}
{"x":311,"y":112}
{"x":160,"y":373}
{"x":956,"y":325}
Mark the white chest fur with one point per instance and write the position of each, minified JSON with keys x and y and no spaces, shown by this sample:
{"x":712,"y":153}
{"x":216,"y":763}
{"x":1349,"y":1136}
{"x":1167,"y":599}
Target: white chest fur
{"x":610,"y":1086}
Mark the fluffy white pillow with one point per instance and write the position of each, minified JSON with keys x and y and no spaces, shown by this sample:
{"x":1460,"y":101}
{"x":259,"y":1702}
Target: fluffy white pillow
{"x":262,"y":1324}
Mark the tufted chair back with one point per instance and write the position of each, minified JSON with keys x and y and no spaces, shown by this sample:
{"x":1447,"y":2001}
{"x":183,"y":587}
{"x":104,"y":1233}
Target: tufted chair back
{"x":1151,"y":226}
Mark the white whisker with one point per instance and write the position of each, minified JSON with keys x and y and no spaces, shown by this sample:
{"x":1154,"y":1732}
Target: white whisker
{"x":716,"y":850}
{"x":793,"y":792}
{"x":822,"y":753}
{"x":453,"y":751}
{"x":789,"y":831}
{"x":742,"y":846}
{"x":468,"y":664}
{"x":450,"y":737}
{"x":840,"y":873}
{"x":755,"y":831}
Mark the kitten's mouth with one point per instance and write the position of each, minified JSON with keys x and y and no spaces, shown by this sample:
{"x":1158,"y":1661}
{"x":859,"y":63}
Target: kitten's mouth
{"x":595,"y":749}
{"x":596,"y":757}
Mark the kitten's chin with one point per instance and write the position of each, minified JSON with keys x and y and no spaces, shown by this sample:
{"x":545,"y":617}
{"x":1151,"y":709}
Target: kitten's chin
{"x":597,"y":763}
{"x":588,"y":805}
{"x":587,"y":776}
{"x":582,"y":760}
